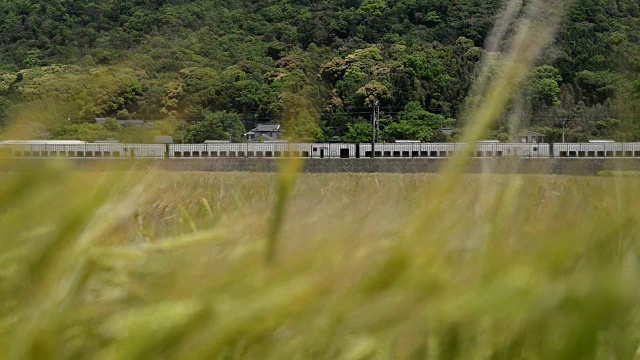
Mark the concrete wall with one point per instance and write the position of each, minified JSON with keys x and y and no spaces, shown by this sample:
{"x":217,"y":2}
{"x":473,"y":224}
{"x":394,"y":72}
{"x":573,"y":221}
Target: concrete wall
{"x":502,"y":165}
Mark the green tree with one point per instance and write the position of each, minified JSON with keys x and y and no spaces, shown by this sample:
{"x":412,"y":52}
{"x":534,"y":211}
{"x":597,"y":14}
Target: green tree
{"x":373,"y":7}
{"x":359,"y":132}
{"x":216,"y":126}
{"x":112,"y":125}
{"x":300,"y":120}
{"x":403,"y":130}
{"x":374,"y":92}
{"x":544,"y":86}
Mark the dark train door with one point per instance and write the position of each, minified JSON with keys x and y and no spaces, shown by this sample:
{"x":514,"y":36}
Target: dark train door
{"x":321,"y":153}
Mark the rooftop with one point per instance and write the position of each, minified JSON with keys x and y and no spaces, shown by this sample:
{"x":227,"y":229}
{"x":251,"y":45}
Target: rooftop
{"x":267,"y":128}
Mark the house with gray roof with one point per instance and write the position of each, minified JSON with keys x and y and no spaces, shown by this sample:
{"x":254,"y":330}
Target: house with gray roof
{"x":265,"y":132}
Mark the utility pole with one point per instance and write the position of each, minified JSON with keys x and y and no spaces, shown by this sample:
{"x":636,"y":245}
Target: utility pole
{"x":375,"y":127}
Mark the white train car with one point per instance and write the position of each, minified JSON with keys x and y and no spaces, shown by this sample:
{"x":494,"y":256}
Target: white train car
{"x":259,"y":150}
{"x":409,"y":150}
{"x":143,"y":150}
{"x":333,"y":151}
{"x":521,"y":150}
{"x":603,"y":149}
{"x":42,"y":148}
{"x":482,"y":149}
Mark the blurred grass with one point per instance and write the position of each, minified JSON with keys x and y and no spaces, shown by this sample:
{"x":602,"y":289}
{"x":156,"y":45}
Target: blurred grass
{"x":117,"y":265}
{"x":152,"y":265}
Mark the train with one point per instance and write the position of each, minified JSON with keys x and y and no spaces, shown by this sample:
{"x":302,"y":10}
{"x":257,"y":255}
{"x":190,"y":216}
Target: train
{"x":398,"y":150}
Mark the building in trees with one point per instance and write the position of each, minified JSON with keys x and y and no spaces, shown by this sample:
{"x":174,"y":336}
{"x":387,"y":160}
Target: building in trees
{"x":529,"y":137}
{"x":265,"y":132}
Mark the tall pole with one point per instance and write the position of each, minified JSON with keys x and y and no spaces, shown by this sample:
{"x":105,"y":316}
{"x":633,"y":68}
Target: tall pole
{"x":377,"y":122}
{"x":373,"y":133}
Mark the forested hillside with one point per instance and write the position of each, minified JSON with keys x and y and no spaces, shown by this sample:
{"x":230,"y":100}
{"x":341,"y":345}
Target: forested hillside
{"x":217,"y":67}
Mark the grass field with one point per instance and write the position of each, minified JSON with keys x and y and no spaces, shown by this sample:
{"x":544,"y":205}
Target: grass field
{"x":117,"y":265}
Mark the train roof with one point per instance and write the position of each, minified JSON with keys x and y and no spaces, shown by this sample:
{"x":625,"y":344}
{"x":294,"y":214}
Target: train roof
{"x":42,"y":142}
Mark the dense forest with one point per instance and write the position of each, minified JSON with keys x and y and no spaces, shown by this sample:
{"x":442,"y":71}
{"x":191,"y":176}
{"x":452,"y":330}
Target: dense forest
{"x":211,"y":69}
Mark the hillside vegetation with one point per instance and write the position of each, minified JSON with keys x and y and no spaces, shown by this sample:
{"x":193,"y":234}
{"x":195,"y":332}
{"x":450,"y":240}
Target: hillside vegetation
{"x":219,"y":67}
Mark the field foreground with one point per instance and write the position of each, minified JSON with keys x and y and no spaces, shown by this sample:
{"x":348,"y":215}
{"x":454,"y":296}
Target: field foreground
{"x":117,"y":265}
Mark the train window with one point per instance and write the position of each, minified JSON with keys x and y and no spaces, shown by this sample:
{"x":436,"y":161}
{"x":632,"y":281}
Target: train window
{"x":405,"y":154}
{"x":628,"y":153}
{"x":53,"y":153}
{"x":306,"y":154}
{"x":232,"y":154}
{"x":269,"y":154}
{"x":478,"y":153}
{"x":396,"y":154}
{"x":177,"y":154}
{"x":600,"y":153}
{"x":223,"y":154}
{"x":87,"y":154}
{"x":17,"y":153}
{"x":278,"y":153}
{"x":196,"y":154}
{"x":618,"y":153}
{"x":489,"y":153}
{"x":259,"y":154}
{"x":563,"y":154}
{"x":241,"y":153}
{"x":609,"y":153}
{"x":572,"y":154}
{"x":205,"y":154}
{"x":499,"y":154}
{"x":80,"y":154}
{"x":70,"y":153}
{"x":424,"y":153}
{"x":581,"y":154}
{"x":434,"y":154}
{"x":296,"y":154}
{"x":415,"y":154}
{"x":251,"y":154}
{"x":378,"y":153}
{"x":367,"y":153}
{"x":636,"y":154}
{"x":214,"y":154}
{"x":116,"y":154}
{"x":535,"y":148}
{"x":287,"y":154}
{"x":443,"y":154}
{"x":98,"y":154}
{"x":315,"y":149}
{"x":591,"y":153}
{"x":106,"y":154}
{"x":186,"y":154}
{"x":387,"y":154}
